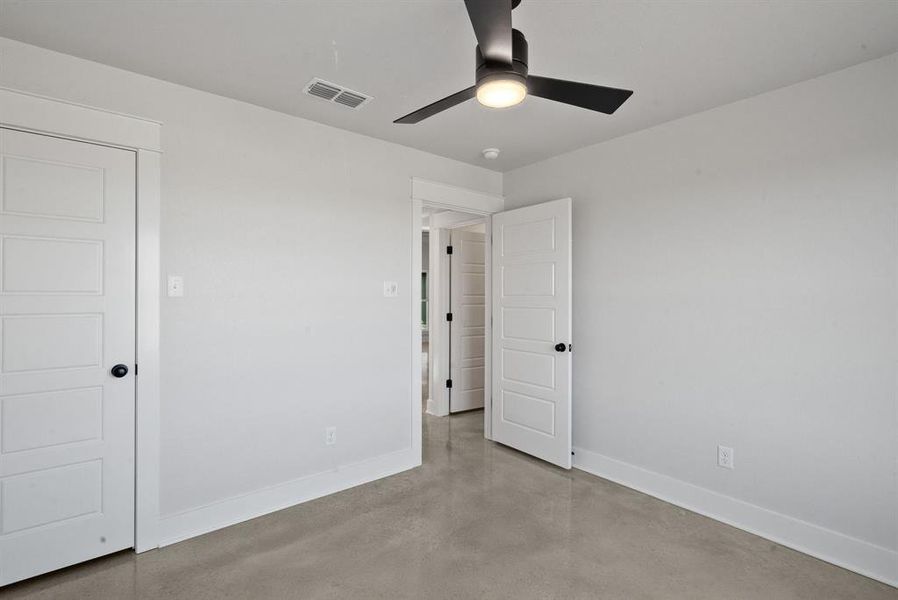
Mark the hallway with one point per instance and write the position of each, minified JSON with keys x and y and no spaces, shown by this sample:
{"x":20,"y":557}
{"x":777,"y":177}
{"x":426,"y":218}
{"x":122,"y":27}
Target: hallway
{"x":477,"y":520}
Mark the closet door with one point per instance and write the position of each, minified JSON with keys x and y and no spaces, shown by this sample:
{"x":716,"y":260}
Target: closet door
{"x":67,"y":337}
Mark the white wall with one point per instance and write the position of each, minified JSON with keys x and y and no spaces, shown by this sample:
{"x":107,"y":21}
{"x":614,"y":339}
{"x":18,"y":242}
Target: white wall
{"x":476,"y":228}
{"x":735,"y":284}
{"x":284,"y":231}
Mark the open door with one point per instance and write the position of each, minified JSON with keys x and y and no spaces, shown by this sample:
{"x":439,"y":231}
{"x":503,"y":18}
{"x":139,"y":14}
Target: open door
{"x":468,"y":309}
{"x":531,"y":334}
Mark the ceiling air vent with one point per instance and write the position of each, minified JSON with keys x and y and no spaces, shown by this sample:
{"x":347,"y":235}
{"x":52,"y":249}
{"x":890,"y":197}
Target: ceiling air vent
{"x":332,"y":92}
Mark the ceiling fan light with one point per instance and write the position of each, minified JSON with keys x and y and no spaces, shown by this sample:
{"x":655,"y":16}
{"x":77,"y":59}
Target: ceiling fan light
{"x":501,"y":92}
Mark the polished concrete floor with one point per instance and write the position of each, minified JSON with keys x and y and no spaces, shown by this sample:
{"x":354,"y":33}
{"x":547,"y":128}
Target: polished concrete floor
{"x":478,"y":520}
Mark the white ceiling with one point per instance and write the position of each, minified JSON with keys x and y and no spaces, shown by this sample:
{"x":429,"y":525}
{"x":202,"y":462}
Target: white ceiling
{"x":680,"y":57}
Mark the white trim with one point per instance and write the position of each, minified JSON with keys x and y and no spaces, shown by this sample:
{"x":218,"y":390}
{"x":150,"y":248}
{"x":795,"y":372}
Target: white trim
{"x":415,"y":323}
{"x":488,"y":333}
{"x":442,"y":195}
{"x":146,"y":463}
{"x":197,"y":521}
{"x":439,"y":328}
{"x":831,"y":546}
{"x":48,"y":116}
{"x":40,"y":114}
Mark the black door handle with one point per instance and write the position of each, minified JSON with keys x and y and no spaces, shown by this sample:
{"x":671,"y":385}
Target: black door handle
{"x":119,"y":371}
{"x":560,"y":347}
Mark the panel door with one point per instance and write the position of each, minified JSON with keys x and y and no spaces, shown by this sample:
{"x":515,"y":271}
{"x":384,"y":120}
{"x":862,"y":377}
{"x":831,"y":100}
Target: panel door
{"x":531,"y":367}
{"x":468,"y":307}
{"x":67,"y":315}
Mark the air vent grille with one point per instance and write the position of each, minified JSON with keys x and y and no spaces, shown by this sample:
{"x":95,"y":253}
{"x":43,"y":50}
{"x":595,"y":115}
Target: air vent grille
{"x":322,"y":90}
{"x":349,"y":99}
{"x":332,"y":92}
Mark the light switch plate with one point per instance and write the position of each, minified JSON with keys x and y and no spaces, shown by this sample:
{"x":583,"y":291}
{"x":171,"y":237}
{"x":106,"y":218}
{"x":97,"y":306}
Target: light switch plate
{"x":175,"y":286}
{"x":391,"y":289}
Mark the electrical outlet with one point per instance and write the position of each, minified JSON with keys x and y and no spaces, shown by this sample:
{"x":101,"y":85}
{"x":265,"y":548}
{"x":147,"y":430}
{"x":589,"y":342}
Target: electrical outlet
{"x":330,"y":436}
{"x":725,"y":457}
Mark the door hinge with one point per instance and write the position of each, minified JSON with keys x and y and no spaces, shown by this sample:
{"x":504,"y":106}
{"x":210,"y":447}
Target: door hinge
{"x":448,"y":249}
{"x":449,"y":317}
{"x":449,"y":383}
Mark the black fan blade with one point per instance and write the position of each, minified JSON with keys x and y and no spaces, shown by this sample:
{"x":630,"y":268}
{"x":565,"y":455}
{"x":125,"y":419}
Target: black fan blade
{"x":585,"y":95}
{"x":438,"y":106}
{"x":492,"y":26}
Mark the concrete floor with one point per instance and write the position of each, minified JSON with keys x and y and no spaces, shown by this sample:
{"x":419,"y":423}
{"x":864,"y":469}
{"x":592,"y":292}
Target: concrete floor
{"x":478,"y":520}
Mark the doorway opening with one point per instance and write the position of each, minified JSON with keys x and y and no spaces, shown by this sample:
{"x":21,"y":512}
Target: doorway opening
{"x":453,"y":311}
{"x":524,"y":323}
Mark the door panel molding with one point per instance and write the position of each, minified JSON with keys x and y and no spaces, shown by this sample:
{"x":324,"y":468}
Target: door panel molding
{"x":467,"y":304}
{"x":532,"y":330}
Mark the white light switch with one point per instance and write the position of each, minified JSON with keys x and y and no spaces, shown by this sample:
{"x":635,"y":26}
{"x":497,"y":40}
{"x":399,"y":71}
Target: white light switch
{"x":391,"y":289}
{"x":175,"y":286}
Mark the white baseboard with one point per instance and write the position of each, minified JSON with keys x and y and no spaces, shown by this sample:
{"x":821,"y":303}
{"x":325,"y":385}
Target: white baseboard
{"x":434,"y":409}
{"x":850,"y":553}
{"x":197,"y":521}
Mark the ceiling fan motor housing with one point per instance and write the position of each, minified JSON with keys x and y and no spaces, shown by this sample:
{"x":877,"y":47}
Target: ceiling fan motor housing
{"x":486,"y":70}
{"x":501,"y":71}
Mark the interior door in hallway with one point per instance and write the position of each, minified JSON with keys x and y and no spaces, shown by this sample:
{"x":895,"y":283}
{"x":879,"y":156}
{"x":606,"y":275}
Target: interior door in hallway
{"x":67,"y":317}
{"x":531,"y":334}
{"x":468,"y":307}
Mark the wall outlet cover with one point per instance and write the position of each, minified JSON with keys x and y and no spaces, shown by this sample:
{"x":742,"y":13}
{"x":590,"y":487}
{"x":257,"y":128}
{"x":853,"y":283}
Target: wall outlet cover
{"x":725,"y":457}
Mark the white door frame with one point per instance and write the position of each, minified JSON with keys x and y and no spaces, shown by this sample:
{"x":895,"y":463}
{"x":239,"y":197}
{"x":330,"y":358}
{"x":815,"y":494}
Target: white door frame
{"x":438,"y":329}
{"x":440,"y":304}
{"x":47,"y":116}
{"x":441,"y":225}
{"x":440,"y":195}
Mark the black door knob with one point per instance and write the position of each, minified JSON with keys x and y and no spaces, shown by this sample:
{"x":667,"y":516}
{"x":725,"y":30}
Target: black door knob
{"x":560,"y":347}
{"x":119,"y":371}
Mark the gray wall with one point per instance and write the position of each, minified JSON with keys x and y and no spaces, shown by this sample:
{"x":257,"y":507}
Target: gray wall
{"x":284,"y":231}
{"x":735,"y":284}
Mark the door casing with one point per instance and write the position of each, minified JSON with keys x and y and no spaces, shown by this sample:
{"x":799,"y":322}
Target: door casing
{"x":440,"y":195}
{"x":32,"y":113}
{"x":437,"y":195}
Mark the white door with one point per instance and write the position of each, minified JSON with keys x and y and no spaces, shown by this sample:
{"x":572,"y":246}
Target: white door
{"x":467,"y":301}
{"x":531,"y":366}
{"x":67,"y":284}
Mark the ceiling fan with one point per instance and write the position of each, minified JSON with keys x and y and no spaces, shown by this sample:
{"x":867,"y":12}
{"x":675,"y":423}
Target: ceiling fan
{"x":501,"y":70}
